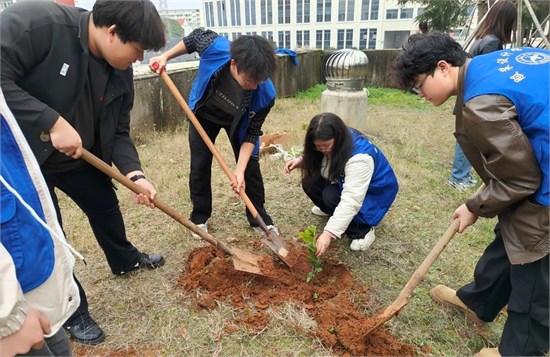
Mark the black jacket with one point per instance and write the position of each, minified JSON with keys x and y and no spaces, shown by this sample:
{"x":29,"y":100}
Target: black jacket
{"x":44,"y":61}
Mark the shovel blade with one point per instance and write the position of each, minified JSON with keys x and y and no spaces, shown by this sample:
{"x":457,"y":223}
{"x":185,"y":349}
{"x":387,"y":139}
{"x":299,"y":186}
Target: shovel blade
{"x":246,"y":261}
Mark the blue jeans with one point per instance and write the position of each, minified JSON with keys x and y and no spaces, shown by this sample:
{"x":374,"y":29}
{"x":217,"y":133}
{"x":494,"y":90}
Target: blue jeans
{"x":461,"y":166}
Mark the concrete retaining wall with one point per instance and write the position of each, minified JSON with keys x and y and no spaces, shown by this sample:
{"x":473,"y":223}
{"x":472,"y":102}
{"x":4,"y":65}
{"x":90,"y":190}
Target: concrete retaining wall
{"x":155,"y":108}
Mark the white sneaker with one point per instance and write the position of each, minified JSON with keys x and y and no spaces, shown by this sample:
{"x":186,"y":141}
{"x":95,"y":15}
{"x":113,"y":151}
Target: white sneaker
{"x":270,"y":227}
{"x":318,"y":212}
{"x":363,"y":244}
{"x":203,"y":226}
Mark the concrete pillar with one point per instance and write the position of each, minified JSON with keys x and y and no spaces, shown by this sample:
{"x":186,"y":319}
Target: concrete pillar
{"x":350,"y":106}
{"x":345,"y":96}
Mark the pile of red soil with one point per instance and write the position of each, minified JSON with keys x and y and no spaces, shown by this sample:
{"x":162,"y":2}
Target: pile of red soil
{"x":332,"y":299}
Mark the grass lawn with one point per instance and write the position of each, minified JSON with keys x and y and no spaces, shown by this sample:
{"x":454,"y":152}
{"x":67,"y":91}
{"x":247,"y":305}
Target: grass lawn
{"x":146,"y":314}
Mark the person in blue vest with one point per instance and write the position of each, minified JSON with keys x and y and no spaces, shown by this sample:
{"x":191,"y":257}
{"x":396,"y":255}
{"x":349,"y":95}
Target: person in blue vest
{"x":348,"y":178}
{"x":232,"y":91}
{"x":502,"y":126}
{"x":37,"y":290}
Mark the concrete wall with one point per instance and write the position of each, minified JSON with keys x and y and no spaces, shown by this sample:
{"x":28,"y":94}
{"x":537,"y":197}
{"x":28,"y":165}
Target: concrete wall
{"x":155,"y":108}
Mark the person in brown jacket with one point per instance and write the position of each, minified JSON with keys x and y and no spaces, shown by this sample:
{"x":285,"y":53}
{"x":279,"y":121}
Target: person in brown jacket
{"x":502,"y":125}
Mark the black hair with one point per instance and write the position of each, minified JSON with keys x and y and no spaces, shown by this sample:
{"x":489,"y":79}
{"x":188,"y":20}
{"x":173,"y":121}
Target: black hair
{"x":326,"y":126}
{"x":499,"y":21}
{"x":253,"y":56}
{"x":135,"y":20}
{"x":420,"y":55}
{"x":423,"y":26}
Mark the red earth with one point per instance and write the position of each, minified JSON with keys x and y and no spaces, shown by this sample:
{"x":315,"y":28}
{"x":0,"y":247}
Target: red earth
{"x":333,"y":299}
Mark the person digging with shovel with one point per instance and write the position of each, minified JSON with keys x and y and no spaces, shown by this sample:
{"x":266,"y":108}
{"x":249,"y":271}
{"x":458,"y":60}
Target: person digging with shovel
{"x":232,"y":92}
{"x":502,"y":125}
{"x":67,"y":76}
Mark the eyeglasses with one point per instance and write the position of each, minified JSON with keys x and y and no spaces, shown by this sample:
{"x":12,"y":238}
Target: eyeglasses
{"x":324,"y":148}
{"x":418,"y":88}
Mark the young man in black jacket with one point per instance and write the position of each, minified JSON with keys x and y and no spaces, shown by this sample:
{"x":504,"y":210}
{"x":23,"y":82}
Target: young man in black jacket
{"x":67,"y":77}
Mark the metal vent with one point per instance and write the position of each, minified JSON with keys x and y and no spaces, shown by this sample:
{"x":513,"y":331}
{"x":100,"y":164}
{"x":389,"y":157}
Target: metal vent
{"x":345,"y":70}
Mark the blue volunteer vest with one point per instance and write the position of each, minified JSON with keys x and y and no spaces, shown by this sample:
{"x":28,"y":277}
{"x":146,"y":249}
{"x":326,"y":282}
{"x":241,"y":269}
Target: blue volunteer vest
{"x":29,"y":244}
{"x":522,"y":76}
{"x":383,"y":186}
{"x":215,"y":56}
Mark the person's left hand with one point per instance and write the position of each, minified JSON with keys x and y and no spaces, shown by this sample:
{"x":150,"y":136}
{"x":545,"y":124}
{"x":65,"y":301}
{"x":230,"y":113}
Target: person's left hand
{"x":323,"y":242}
{"x":239,"y":183}
{"x":142,"y":199}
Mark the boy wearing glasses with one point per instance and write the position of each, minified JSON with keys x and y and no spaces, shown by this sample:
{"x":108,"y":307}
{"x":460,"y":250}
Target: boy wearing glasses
{"x":233,"y":92}
{"x":502,"y":125}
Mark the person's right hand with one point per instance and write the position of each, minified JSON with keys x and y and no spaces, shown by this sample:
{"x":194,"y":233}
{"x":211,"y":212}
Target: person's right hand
{"x":322,"y":243}
{"x":293,"y":164}
{"x":161,"y":61}
{"x":65,"y":138}
{"x":30,"y":335}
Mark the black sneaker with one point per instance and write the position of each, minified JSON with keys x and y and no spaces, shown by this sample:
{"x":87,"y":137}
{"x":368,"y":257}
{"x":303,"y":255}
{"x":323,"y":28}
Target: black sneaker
{"x":86,"y":331}
{"x":149,"y":261}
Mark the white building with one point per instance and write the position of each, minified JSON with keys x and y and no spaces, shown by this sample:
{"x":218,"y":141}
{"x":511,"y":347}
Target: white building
{"x":192,"y":16}
{"x":325,"y":24}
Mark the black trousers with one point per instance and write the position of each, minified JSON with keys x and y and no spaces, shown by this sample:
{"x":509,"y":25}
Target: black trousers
{"x":200,"y":177}
{"x":93,"y":192}
{"x":327,"y":196}
{"x":523,"y":287}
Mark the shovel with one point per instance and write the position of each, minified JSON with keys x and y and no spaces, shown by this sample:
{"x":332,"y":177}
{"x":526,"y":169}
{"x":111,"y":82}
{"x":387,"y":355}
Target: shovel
{"x":242,"y":260}
{"x":405,"y":296}
{"x":271,"y":238}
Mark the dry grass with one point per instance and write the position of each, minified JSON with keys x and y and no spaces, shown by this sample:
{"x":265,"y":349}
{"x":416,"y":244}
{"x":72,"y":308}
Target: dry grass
{"x":146,"y":311}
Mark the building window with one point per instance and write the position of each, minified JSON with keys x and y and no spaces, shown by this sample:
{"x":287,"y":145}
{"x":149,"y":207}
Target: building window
{"x":209,"y":14}
{"x":365,"y":10}
{"x":302,"y":38}
{"x":284,"y":39}
{"x":235,"y":35}
{"x":250,"y":12}
{"x":345,"y":39}
{"x":235,"y":12}
{"x":303,"y":11}
{"x":374,"y":9}
{"x":324,"y":9}
{"x":345,"y":10}
{"x":420,"y":11}
{"x":323,"y":39}
{"x":268,"y":35}
{"x":284,"y":11}
{"x":367,"y":39}
{"x":266,"y":8}
{"x":391,"y":14}
{"x":406,"y":13}
{"x":372,"y":38}
{"x":222,"y":14}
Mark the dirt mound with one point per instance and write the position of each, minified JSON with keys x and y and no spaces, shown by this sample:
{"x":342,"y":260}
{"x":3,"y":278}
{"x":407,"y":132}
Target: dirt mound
{"x":332,"y":299}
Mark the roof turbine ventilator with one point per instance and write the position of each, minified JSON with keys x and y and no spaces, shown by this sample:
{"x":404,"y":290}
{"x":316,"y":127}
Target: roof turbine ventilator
{"x":345,"y":70}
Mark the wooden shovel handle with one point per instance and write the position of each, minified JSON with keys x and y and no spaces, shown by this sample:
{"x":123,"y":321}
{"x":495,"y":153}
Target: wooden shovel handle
{"x":405,"y":295}
{"x":210,"y":145}
{"x":117,"y":176}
